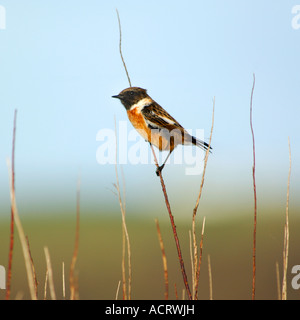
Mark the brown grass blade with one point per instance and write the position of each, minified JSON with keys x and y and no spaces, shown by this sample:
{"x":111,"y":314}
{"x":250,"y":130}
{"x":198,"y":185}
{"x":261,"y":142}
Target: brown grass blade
{"x":120,"y":48}
{"x":181,"y":262}
{"x":255,"y":200}
{"x":11,"y":243}
{"x":195,"y":267}
{"x":286,"y":231}
{"x":125,"y":241}
{"x":26,"y":253}
{"x":50,"y":274}
{"x":210,"y":278}
{"x":164,"y":259}
{"x":73,"y":281}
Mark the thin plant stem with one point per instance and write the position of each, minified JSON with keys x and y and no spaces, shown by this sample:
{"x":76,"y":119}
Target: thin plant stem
{"x":11,"y":243}
{"x":199,"y":262}
{"x":286,"y":232}
{"x":210,"y":278}
{"x":196,"y":274}
{"x":45,"y":285}
{"x":120,"y":48}
{"x":181,"y":262}
{"x":278,"y":281}
{"x":26,"y":253}
{"x":164,"y":259}
{"x":33,"y":268}
{"x":125,"y":231}
{"x":63,"y":281}
{"x":255,"y":200}
{"x":118,"y":288}
{"x":50,"y":274}
{"x":76,"y":245}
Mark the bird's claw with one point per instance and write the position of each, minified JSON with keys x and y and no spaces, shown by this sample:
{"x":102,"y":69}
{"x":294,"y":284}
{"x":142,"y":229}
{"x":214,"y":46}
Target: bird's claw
{"x":159,"y":169}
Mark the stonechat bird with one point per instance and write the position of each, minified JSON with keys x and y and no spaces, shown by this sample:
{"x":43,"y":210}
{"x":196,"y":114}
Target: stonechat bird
{"x":154,"y":123}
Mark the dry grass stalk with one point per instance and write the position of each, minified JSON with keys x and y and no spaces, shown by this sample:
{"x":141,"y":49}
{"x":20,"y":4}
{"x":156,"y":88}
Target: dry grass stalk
{"x":63,"y":281}
{"x":50,"y":274}
{"x":73,"y":281}
{"x":118,"y":289}
{"x":255,"y":200}
{"x":45,"y":285}
{"x":33,"y":268}
{"x":164,"y":258}
{"x":126,"y":241}
{"x":195,"y":262}
{"x":11,"y":243}
{"x":192,"y":264}
{"x":183,"y":294}
{"x":199,"y":261}
{"x":210,"y":278}
{"x":286,"y":232}
{"x":125,"y":236}
{"x":278,"y":281}
{"x":176,"y":292}
{"x":183,"y":272}
{"x":26,"y":253}
{"x":120,"y":48}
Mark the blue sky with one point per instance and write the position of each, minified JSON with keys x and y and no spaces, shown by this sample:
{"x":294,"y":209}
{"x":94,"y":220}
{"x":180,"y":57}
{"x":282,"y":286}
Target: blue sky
{"x":60,"y":65}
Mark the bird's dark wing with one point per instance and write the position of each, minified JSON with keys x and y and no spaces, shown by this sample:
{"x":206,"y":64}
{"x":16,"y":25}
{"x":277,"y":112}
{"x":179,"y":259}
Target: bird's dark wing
{"x":158,"y":118}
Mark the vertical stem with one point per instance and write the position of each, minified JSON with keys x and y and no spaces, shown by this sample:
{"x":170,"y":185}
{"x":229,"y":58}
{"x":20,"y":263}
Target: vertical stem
{"x":255,"y":201}
{"x":286,"y":232}
{"x":185,"y":280}
{"x":73,"y":284}
{"x":11,"y":244}
{"x":164,"y":258}
{"x":196,"y":273}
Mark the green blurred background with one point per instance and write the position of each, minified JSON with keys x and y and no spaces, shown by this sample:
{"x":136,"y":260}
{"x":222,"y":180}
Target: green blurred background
{"x":227,"y":241}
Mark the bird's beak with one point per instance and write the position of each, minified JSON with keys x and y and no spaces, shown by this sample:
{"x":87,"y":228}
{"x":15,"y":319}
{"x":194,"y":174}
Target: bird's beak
{"x":117,"y":96}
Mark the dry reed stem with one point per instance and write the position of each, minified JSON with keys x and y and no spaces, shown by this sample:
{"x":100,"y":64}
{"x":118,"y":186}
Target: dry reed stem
{"x":125,"y":231}
{"x":50,"y":274}
{"x":123,"y":264}
{"x":185,"y":280}
{"x":195,"y":268}
{"x":255,"y":200}
{"x":200,"y":260}
{"x":192,"y":264}
{"x":45,"y":285}
{"x":26,"y":253}
{"x":120,"y":48}
{"x":73,"y":282}
{"x":210,"y":278}
{"x":164,"y":259}
{"x":286,"y":231}
{"x":118,"y":289}
{"x":176,"y":292}
{"x":278,"y":281}
{"x":33,"y":268}
{"x":183,"y":294}
{"x":11,"y":243}
{"x":63,"y":281}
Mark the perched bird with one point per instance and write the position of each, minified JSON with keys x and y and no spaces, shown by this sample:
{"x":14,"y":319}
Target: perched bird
{"x":154,"y":123}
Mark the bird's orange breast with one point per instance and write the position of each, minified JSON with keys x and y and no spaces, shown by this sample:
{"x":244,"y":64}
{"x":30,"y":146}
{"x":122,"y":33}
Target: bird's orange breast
{"x":153,"y":136}
{"x":139,"y":123}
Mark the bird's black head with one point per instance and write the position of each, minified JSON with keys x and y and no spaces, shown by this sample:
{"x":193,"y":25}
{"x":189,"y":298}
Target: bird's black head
{"x":131,"y":96}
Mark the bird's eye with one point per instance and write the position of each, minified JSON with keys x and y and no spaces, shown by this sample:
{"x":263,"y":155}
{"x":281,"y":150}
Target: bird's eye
{"x":131,"y":93}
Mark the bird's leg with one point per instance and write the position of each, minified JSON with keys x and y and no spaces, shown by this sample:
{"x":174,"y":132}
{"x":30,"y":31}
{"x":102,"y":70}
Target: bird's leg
{"x":159,"y":169}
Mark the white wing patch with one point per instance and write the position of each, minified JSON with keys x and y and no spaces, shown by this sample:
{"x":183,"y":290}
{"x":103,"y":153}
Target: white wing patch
{"x":168,"y":120}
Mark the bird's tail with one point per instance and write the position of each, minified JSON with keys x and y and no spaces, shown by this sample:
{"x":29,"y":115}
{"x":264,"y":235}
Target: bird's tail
{"x":201,"y":144}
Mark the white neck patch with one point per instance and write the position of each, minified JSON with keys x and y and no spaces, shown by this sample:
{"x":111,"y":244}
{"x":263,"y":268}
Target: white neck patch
{"x":141,"y":104}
